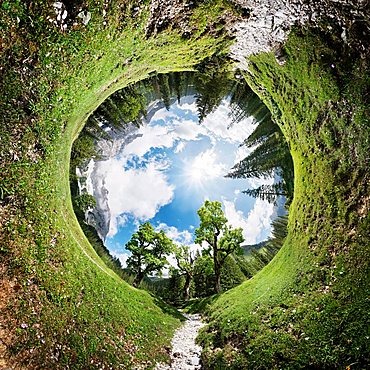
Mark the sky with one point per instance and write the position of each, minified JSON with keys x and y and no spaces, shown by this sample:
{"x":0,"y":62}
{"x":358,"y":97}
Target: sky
{"x":174,"y":165}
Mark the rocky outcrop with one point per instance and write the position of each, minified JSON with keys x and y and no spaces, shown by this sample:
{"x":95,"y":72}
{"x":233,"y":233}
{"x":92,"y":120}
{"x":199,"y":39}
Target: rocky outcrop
{"x":90,"y":176}
{"x":270,"y":22}
{"x":176,"y":14}
{"x":263,"y":25}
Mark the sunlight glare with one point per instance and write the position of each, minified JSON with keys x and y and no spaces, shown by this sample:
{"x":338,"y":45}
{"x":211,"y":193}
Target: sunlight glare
{"x":203,"y":168}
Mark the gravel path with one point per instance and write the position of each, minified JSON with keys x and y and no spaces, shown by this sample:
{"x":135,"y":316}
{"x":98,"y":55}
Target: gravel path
{"x":185,"y":354}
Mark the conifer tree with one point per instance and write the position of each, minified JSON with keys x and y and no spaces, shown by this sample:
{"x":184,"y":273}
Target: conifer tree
{"x":245,"y":103}
{"x":165,"y":90}
{"x":263,"y":160}
{"x":267,"y":192}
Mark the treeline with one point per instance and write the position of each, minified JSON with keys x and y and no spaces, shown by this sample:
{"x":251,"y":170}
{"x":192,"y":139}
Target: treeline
{"x":197,"y":275}
{"x":270,"y":156}
{"x":209,"y":84}
{"x":206,"y":271}
{"x":237,"y":268}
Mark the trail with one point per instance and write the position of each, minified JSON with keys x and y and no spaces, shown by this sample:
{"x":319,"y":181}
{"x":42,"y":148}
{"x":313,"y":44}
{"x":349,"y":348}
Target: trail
{"x":185,"y":354}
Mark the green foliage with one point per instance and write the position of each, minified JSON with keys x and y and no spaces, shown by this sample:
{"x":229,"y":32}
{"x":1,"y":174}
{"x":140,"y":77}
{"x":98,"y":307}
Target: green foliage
{"x":212,"y":84}
{"x":83,"y":149}
{"x":267,"y":192}
{"x":149,"y":251}
{"x":231,"y":274}
{"x":185,"y":263}
{"x":204,"y":277}
{"x":244,"y":103}
{"x":270,"y":155}
{"x":124,"y":106}
{"x":221,"y":239}
{"x":263,"y":160}
{"x":305,"y":308}
{"x":51,"y":82}
{"x":84,"y":202}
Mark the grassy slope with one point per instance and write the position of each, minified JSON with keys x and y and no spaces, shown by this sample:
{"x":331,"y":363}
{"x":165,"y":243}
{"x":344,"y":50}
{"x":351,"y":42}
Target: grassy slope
{"x":309,"y":307}
{"x":61,"y":307}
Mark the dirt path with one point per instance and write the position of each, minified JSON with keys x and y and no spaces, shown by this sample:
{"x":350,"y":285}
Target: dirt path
{"x":185,"y":354}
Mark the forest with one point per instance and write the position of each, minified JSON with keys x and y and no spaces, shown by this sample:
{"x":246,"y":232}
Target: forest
{"x":298,"y":300}
{"x":197,"y":273}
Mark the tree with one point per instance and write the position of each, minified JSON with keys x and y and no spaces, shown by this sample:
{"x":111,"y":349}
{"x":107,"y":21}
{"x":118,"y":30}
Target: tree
{"x":204,"y":276}
{"x":212,"y":84}
{"x":267,"y":192}
{"x":221,"y":238}
{"x":245,"y":103}
{"x":185,"y":262}
{"x":85,"y":201}
{"x":149,"y":251}
{"x":263,"y":160}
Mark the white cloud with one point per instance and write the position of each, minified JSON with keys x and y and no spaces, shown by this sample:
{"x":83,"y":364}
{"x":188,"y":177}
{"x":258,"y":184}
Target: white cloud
{"x":122,"y":257}
{"x":180,"y":237}
{"x":256,"y":225}
{"x":192,"y":107}
{"x":139,"y":192}
{"x":180,"y":147}
{"x":159,"y":136}
{"x":217,"y":124}
{"x":152,"y":137}
{"x":163,"y":114}
{"x":204,"y":167}
{"x":187,"y":130}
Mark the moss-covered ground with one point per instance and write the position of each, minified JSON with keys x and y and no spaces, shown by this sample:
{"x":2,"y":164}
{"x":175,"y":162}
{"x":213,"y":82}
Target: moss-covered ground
{"x":309,"y":308}
{"x":61,"y":307}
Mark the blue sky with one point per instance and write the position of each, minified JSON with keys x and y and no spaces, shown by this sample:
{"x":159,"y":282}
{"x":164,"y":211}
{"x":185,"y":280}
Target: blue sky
{"x":165,"y":175}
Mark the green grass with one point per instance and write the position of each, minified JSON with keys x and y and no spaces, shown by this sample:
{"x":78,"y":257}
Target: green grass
{"x":62,"y":307}
{"x":309,"y":307}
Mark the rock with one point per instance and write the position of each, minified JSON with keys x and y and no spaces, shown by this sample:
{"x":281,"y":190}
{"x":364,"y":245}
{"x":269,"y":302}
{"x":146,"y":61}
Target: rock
{"x":185,"y":353}
{"x":58,"y":5}
{"x":195,"y":361}
{"x":85,"y":16}
{"x":270,"y":21}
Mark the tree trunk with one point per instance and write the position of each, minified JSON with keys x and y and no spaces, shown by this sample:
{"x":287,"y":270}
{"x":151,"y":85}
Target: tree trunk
{"x":217,"y":267}
{"x":138,"y":278}
{"x":187,"y":287}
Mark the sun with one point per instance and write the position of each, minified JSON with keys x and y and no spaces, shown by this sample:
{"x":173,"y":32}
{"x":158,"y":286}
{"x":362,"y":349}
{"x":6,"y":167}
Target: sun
{"x":202,"y":169}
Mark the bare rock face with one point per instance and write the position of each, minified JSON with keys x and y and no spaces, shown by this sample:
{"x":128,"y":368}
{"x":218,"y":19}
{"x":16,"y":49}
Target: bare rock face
{"x":264,"y":25}
{"x":166,"y":12}
{"x":270,"y":22}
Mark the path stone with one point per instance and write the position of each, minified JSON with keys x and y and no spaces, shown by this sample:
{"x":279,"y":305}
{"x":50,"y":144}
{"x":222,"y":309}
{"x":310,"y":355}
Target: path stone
{"x":185,"y":354}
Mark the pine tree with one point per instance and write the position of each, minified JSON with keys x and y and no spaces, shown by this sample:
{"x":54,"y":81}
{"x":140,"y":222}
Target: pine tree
{"x":212,"y":85}
{"x":165,"y":90}
{"x":263,"y":160}
{"x":245,"y":103}
{"x":261,"y":133}
{"x":267,"y":192}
